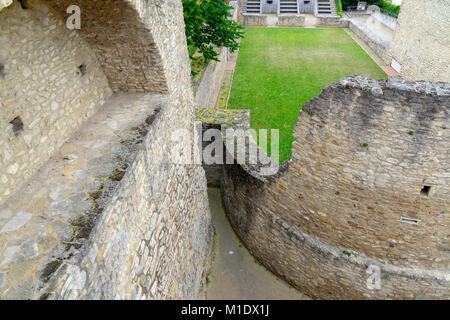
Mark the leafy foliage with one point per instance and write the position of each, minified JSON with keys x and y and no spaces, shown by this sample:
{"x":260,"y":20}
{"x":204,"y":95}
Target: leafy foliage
{"x":390,"y":9}
{"x":208,"y":27}
{"x":354,"y":3}
{"x":385,"y":6}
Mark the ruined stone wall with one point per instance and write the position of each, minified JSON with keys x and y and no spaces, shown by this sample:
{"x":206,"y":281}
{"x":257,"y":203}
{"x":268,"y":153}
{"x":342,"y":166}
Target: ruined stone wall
{"x":421,"y":44}
{"x":208,"y":88}
{"x":145,"y":233}
{"x":295,"y":20}
{"x":367,"y":184}
{"x":252,"y":20}
{"x":331,"y":22}
{"x":45,"y":96}
{"x":154,"y":239}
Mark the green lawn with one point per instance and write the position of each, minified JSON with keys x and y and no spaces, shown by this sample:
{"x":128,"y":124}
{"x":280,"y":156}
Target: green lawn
{"x":279,"y":69}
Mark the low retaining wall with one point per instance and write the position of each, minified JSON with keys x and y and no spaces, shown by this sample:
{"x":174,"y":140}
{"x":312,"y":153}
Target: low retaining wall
{"x":347,"y":216}
{"x":331,"y":22}
{"x":297,"y":20}
{"x":208,"y":88}
{"x":388,"y":21}
{"x":112,"y":215}
{"x":252,"y":20}
{"x":381,"y":48}
{"x":154,"y":237}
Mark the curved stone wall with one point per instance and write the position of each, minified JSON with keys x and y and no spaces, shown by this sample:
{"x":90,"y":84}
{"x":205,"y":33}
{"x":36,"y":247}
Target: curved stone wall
{"x":368,"y":184}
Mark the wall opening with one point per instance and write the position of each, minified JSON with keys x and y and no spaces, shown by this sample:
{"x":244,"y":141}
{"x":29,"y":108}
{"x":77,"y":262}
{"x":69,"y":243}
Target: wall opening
{"x":425,"y":190}
{"x":24,"y":4}
{"x":17,"y":125}
{"x":409,"y":220}
{"x":81,"y":69}
{"x":2,"y":71}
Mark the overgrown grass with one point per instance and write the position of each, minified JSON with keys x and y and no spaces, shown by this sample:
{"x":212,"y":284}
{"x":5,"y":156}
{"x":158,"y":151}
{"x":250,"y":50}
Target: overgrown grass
{"x":279,"y":69}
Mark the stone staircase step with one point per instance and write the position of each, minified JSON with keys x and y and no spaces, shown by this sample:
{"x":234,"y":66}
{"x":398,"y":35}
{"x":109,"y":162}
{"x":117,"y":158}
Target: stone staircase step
{"x":288,"y":6}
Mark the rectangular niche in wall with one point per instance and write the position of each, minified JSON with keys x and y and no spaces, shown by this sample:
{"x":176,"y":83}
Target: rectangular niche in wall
{"x":409,"y":220}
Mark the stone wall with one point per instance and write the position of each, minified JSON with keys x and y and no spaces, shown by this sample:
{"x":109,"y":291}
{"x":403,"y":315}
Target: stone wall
{"x":388,"y":21}
{"x":252,"y":20}
{"x":331,"y":22}
{"x":381,"y":47}
{"x":421,"y":44}
{"x":154,"y":239}
{"x":208,"y":88}
{"x":297,"y":20}
{"x":148,"y":233}
{"x":122,"y":41}
{"x":45,"y":96}
{"x":367,"y":184}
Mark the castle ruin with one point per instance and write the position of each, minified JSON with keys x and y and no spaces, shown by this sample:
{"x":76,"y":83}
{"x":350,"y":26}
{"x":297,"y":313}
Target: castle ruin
{"x":93,"y":206}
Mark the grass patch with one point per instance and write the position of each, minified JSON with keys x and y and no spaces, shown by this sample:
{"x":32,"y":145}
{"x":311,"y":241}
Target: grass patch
{"x":279,"y":69}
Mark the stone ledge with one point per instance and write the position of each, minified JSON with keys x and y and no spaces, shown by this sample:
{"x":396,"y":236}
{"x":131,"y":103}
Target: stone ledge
{"x":237,"y":117}
{"x":253,"y":19}
{"x":51,"y":217}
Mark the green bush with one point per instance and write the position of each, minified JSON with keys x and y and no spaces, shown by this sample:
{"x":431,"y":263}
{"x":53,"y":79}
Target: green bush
{"x":390,"y":9}
{"x":385,"y":6}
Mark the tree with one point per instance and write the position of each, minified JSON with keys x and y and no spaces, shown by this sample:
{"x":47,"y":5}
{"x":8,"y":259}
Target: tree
{"x":208,"y":27}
